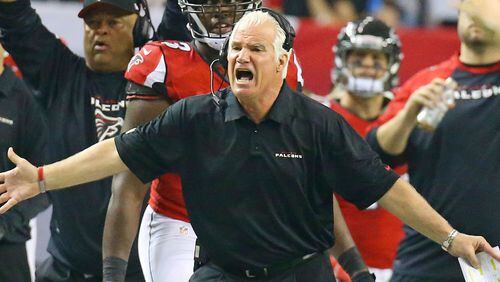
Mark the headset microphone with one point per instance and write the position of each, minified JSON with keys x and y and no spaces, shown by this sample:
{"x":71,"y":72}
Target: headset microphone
{"x":220,"y":101}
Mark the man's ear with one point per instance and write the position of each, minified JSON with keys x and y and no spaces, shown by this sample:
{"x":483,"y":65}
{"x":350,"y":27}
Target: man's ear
{"x":282,"y":61}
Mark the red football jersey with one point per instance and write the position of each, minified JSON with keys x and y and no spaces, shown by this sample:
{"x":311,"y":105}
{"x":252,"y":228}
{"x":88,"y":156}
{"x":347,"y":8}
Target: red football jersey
{"x":375,"y":231}
{"x":184,"y":73}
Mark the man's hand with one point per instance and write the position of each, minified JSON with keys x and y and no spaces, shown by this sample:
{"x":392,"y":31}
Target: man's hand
{"x":18,"y":184}
{"x":466,"y":246}
{"x":429,"y":95}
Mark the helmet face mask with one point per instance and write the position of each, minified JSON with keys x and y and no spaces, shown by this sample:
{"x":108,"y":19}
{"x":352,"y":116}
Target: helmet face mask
{"x":211,"y":21}
{"x":371,"y":35}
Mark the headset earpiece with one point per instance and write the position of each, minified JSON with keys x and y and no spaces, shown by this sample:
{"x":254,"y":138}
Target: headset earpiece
{"x":223,"y":53}
{"x":285,"y":25}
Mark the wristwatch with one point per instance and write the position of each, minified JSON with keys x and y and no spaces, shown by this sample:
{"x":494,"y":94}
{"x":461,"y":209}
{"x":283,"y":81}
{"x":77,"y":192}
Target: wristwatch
{"x":447,"y":243}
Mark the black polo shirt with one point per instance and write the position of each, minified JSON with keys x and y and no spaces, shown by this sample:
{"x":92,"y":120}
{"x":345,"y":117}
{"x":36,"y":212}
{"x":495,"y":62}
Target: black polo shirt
{"x":258,"y":194}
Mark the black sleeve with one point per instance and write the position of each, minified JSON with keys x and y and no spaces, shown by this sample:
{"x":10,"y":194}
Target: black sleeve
{"x":393,"y":161}
{"x":173,"y":23}
{"x":30,"y":142}
{"x":156,"y":147}
{"x":42,"y":58}
{"x":356,"y":172}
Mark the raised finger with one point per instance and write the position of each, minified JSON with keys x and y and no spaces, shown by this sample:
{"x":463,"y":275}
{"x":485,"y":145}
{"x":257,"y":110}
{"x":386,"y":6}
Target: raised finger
{"x":7,"y":206}
{"x":4,"y":197}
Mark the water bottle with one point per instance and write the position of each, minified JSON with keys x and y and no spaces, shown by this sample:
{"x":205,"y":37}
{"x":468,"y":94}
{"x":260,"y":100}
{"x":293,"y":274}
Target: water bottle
{"x":429,"y":118}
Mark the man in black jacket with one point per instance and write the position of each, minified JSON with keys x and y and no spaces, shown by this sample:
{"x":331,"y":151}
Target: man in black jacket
{"x":84,"y":101}
{"x":20,"y":118}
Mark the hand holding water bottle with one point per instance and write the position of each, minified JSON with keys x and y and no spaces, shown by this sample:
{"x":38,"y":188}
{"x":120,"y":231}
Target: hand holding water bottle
{"x":430,"y":116}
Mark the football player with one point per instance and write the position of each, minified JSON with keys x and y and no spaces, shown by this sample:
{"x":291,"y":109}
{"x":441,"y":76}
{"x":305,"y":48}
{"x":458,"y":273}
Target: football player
{"x":367,"y":59}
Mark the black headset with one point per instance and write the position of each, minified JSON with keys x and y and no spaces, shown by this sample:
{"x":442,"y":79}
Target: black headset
{"x":283,"y":23}
{"x":144,"y":30}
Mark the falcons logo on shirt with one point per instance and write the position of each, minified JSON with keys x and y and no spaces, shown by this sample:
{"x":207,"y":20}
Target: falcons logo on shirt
{"x":107,"y":126}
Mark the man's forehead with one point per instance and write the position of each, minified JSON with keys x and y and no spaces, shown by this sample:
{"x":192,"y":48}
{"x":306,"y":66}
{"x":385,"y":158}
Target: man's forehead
{"x":260,"y":32}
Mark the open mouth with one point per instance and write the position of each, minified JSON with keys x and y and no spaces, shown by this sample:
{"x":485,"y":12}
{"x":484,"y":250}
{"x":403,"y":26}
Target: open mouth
{"x":222,"y":28}
{"x":100,"y":46}
{"x":244,"y":75}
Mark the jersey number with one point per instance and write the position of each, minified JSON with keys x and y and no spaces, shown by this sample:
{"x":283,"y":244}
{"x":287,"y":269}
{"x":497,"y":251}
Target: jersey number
{"x":183,"y":46}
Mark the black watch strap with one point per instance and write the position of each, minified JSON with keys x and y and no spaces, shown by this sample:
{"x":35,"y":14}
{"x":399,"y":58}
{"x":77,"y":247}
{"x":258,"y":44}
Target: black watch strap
{"x":364,"y":276}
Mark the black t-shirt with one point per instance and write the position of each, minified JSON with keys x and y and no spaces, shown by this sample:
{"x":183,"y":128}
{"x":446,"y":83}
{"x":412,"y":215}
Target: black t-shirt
{"x":456,"y":168}
{"x":258,"y":194}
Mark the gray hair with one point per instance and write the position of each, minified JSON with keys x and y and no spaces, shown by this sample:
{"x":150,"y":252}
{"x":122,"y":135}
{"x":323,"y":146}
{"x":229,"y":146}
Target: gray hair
{"x":258,"y":17}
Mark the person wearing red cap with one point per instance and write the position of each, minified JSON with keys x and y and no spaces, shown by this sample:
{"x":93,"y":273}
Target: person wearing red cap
{"x":84,"y":103}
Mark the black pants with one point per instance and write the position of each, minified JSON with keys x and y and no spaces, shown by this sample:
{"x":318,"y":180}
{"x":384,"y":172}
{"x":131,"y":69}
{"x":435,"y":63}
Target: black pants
{"x":52,"y":270}
{"x":14,"y":263}
{"x":318,"y":269}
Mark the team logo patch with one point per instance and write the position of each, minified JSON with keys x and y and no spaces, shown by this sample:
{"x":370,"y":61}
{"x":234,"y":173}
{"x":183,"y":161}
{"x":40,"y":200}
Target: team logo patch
{"x":107,"y":126}
{"x":136,"y":60}
{"x":183,"y":230}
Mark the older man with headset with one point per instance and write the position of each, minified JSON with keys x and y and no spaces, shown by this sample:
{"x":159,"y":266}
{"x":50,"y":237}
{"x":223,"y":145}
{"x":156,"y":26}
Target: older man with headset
{"x":271,"y":161}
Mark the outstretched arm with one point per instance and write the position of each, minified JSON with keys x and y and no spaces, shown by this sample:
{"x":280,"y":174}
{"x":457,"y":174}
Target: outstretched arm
{"x":97,"y":162}
{"x":405,"y":202}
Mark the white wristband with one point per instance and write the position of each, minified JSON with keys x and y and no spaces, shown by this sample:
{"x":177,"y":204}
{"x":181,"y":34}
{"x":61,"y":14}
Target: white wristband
{"x":447,"y":243}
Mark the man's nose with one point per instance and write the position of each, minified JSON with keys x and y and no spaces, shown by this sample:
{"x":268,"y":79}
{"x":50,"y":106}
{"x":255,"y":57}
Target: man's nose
{"x":102,"y":27}
{"x":367,"y":66}
{"x":243,"y":56}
